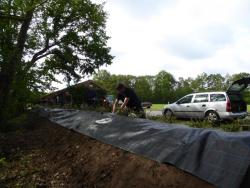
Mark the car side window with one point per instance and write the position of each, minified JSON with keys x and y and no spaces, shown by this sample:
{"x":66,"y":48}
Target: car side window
{"x":217,"y":97}
{"x":201,"y":98}
{"x":186,"y":99}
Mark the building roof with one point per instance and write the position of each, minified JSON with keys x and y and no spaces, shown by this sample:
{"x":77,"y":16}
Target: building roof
{"x":86,"y":84}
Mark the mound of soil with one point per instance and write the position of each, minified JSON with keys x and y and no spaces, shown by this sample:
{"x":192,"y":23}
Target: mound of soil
{"x":52,"y":156}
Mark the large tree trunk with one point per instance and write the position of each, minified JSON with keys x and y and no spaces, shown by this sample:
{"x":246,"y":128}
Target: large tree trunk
{"x":4,"y":91}
{"x":7,"y":74}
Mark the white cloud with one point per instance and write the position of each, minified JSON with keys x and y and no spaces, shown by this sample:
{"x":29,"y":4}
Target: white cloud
{"x":185,"y":38}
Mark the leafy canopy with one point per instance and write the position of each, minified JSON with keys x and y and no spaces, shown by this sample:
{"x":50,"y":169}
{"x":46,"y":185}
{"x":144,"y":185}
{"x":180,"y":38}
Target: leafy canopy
{"x":63,"y":37}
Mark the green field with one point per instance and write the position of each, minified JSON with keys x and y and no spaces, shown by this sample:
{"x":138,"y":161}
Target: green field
{"x":157,"y":106}
{"x":160,"y":107}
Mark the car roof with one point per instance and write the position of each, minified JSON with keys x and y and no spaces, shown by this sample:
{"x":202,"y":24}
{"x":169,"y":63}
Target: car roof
{"x":210,"y":92}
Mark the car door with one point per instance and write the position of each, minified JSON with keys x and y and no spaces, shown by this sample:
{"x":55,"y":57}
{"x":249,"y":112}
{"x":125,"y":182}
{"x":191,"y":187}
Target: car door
{"x":182,"y":105}
{"x":218,"y":102}
{"x":198,"y":106}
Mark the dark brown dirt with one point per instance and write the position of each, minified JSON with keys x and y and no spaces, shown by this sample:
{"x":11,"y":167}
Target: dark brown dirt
{"x":52,"y":156}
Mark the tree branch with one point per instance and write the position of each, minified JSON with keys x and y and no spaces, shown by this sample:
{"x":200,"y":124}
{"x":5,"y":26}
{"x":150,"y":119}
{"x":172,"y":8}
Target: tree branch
{"x":12,"y":17}
{"x":40,"y":4}
{"x":47,"y":47}
{"x":40,"y":54}
{"x":44,"y":55}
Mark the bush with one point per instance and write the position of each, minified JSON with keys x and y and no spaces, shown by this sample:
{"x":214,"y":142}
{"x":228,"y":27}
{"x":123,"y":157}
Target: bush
{"x":19,"y":123}
{"x":3,"y":161}
{"x":231,"y":127}
{"x":200,"y":124}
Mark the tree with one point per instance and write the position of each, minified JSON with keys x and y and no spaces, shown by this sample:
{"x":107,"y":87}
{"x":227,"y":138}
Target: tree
{"x":199,"y":84}
{"x":215,"y":82}
{"x":42,"y":38}
{"x":143,"y":88}
{"x":143,"y":85}
{"x":238,"y":76}
{"x":183,"y":87}
{"x":164,"y":87}
{"x":106,"y":81}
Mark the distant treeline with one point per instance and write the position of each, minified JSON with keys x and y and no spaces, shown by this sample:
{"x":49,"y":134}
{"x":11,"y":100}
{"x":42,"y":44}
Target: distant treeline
{"x":164,"y":88}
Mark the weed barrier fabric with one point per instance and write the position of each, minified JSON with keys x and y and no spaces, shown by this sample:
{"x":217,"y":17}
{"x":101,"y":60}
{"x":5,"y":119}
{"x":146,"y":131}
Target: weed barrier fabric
{"x":215,"y":156}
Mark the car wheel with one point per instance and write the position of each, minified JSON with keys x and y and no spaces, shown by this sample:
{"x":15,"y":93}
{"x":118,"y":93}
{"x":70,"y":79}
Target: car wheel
{"x":212,"y":117}
{"x":168,"y":114}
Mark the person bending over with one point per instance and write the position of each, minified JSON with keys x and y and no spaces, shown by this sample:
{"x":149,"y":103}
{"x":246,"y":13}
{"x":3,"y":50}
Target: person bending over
{"x":131,"y":102}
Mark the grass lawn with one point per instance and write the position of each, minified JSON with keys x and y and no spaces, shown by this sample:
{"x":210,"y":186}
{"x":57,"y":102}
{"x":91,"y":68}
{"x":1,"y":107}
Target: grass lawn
{"x":157,"y":106}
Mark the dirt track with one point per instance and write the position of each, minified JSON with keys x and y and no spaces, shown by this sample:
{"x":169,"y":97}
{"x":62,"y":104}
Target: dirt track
{"x":58,"y":157}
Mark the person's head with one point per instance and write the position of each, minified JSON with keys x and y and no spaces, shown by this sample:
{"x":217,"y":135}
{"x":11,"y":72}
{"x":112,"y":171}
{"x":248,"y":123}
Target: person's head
{"x":120,"y":88}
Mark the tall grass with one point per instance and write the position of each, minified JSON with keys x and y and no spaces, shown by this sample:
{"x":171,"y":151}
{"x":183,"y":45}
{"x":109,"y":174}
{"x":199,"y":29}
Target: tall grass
{"x":233,"y":126}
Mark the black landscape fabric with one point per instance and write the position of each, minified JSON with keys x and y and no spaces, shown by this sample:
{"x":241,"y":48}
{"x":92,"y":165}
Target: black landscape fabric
{"x":215,"y":156}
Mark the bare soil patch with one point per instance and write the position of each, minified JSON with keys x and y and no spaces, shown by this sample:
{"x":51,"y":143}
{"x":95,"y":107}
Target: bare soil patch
{"x":52,"y":156}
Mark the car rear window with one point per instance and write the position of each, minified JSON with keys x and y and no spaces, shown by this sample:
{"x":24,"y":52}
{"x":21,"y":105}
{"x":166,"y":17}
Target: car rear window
{"x":217,"y":97}
{"x":201,"y":98}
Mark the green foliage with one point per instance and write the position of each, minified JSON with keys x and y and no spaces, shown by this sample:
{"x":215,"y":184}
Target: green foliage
{"x":200,"y":124}
{"x":183,"y":87}
{"x":233,"y":126}
{"x":17,"y":123}
{"x":143,"y":88}
{"x":2,"y":161}
{"x":43,"y":38}
{"x":162,"y":119}
{"x":164,"y":88}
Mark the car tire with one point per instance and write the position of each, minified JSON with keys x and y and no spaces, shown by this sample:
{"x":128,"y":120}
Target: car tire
{"x":168,"y":114}
{"x":212,"y":117}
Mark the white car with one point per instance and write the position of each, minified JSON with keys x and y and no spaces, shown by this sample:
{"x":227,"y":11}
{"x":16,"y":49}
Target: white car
{"x":211,"y":105}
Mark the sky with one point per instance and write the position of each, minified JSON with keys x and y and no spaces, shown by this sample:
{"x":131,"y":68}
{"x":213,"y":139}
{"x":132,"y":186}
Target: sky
{"x":182,"y":37}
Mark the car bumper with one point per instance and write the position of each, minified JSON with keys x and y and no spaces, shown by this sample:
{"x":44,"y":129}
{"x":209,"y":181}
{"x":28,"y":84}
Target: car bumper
{"x":230,"y":115}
